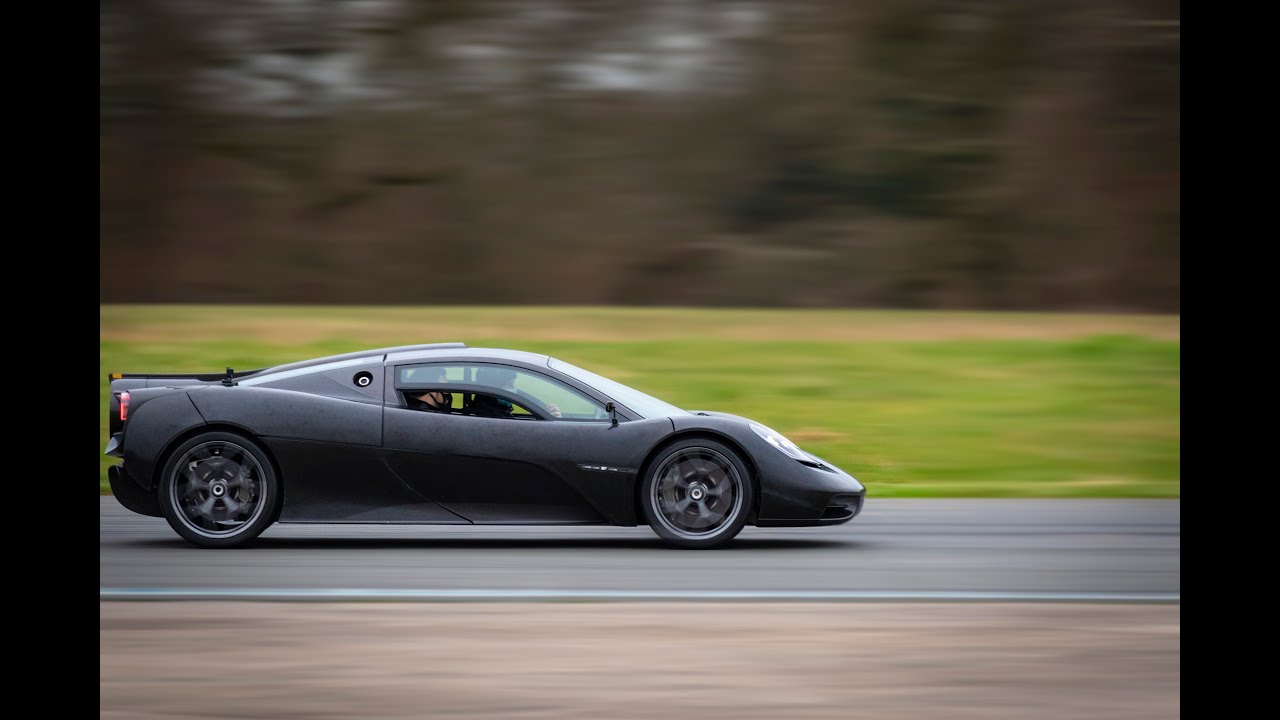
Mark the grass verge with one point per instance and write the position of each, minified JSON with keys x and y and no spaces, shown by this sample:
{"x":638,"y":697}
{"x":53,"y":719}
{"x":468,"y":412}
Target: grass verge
{"x":915,"y":404}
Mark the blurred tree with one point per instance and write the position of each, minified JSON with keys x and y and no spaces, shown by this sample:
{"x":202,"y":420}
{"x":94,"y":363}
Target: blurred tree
{"x":924,"y":153}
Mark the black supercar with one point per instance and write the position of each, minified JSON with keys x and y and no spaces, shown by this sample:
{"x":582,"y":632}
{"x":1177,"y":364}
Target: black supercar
{"x":443,"y":433}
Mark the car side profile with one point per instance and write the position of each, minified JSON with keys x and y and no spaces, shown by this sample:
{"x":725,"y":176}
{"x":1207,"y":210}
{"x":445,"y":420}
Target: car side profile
{"x":446,"y":434}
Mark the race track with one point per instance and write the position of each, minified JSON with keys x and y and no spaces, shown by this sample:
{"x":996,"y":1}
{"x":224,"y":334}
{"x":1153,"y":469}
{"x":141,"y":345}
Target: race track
{"x":1019,"y":546}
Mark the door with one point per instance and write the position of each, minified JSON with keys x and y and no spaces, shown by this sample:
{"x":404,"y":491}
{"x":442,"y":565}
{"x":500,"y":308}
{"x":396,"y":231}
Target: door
{"x":507,"y":445}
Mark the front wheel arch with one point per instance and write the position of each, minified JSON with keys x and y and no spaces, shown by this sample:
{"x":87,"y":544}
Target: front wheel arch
{"x":667,"y":501}
{"x":637,"y":489}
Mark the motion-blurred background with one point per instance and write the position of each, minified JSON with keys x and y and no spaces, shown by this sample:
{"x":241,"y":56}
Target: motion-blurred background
{"x":826,"y":163}
{"x":1009,"y":154}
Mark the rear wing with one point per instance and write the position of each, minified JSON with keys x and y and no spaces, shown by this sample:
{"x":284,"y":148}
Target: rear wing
{"x":122,"y":383}
{"x":202,"y":377}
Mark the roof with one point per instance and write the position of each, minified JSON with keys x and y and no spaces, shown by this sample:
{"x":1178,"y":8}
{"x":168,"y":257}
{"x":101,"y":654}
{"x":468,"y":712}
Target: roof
{"x":459,"y":352}
{"x":370,"y":354}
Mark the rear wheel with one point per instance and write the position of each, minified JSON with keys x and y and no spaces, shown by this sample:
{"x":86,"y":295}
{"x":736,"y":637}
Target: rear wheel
{"x":218,"y":489}
{"x":697,"y":494}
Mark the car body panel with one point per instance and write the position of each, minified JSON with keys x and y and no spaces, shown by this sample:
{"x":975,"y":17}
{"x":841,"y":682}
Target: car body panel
{"x":271,"y":412}
{"x":336,"y":380}
{"x":526,"y":471}
{"x":157,"y":417}
{"x":343,"y":483}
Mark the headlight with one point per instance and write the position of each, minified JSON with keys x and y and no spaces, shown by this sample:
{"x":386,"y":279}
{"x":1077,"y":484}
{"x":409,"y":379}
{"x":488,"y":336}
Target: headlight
{"x":776,"y":439}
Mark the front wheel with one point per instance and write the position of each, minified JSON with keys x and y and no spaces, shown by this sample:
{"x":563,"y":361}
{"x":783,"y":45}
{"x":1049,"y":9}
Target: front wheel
{"x":219,"y":490}
{"x":697,"y":494}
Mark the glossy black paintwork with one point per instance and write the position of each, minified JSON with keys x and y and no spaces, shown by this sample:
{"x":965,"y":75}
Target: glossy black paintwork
{"x":131,"y":494}
{"x":268,"y":412}
{"x":351,"y":453}
{"x":337,"y":482}
{"x":501,"y":470}
{"x":157,"y":419}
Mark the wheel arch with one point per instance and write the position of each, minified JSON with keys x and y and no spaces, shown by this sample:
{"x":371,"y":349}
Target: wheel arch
{"x":690,"y":434}
{"x":163,"y":458}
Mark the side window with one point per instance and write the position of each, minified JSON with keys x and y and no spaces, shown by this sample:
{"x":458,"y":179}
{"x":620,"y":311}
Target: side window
{"x":422,"y":375}
{"x":439,"y":400}
{"x":521,"y":413}
{"x":523,"y":393}
{"x":466,"y":403}
{"x":551,"y":394}
{"x":492,"y":406}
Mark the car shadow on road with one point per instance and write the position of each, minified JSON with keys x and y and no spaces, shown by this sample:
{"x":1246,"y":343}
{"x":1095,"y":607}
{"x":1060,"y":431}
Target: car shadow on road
{"x":564,"y":543}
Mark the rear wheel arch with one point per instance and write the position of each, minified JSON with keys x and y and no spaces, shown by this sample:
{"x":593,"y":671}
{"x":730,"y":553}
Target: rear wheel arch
{"x":230,"y":493}
{"x":163,"y":459}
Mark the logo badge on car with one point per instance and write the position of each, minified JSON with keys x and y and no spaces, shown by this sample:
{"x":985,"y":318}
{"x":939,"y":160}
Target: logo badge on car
{"x":606,"y":468}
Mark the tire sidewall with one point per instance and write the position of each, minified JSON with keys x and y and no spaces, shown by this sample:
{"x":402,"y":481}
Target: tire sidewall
{"x":728,"y":531}
{"x":270,"y":492}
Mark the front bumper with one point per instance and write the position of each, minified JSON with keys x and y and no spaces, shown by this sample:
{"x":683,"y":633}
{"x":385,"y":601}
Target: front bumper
{"x":793,"y":494}
{"x":839,"y":509}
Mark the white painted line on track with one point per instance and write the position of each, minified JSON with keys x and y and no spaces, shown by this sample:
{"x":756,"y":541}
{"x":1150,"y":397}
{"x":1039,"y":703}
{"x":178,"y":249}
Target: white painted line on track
{"x":360,"y":594}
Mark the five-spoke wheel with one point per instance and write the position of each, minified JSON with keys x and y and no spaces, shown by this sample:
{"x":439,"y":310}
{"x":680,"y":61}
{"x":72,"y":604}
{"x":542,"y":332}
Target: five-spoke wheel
{"x":697,"y":493}
{"x":218,"y":490}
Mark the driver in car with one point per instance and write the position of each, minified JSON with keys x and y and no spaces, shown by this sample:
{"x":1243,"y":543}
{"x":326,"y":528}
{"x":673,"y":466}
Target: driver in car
{"x":433,"y":400}
{"x":505,"y":378}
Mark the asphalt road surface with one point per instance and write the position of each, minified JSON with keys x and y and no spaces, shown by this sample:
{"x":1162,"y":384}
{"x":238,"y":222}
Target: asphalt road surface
{"x":1006,"y":545}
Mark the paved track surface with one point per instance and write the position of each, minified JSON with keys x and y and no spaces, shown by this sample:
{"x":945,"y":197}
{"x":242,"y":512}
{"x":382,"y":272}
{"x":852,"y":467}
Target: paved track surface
{"x":1068,"y":546}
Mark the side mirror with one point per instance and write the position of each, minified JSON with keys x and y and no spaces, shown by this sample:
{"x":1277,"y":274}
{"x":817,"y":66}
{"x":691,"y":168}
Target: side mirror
{"x":613,"y":413}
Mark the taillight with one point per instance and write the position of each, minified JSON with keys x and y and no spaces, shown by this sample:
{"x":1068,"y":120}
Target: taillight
{"x":124,"y":406}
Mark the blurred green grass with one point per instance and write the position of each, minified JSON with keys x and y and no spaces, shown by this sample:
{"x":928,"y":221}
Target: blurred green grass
{"x":1007,"y":405}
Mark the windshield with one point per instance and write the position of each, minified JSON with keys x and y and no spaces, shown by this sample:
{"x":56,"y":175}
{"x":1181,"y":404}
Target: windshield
{"x":647,"y":405}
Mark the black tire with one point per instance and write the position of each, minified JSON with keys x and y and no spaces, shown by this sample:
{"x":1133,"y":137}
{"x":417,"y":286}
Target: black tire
{"x":219,"y":490}
{"x":697,"y":494}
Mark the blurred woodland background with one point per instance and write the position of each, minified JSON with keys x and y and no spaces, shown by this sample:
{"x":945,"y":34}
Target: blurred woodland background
{"x":986,"y":154}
